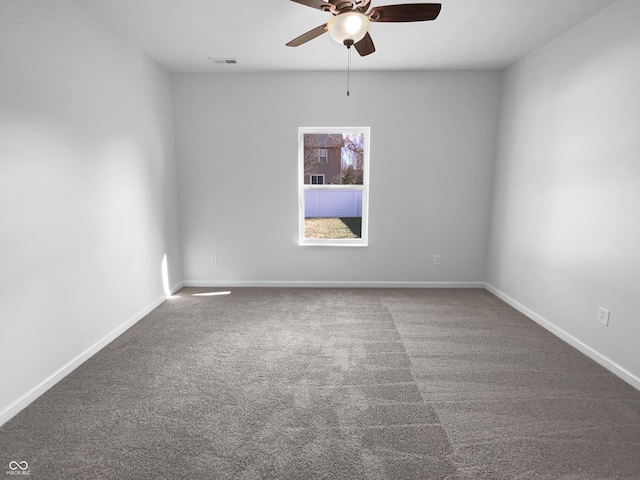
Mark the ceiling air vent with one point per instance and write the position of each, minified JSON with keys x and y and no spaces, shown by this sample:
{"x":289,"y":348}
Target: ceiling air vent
{"x":223,"y":61}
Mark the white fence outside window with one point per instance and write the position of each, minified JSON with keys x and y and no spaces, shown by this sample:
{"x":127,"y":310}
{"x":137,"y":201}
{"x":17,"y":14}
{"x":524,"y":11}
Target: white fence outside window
{"x":332,"y":203}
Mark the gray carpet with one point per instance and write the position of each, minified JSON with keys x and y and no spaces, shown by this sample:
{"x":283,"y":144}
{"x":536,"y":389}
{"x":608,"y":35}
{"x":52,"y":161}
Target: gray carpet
{"x":332,"y":384}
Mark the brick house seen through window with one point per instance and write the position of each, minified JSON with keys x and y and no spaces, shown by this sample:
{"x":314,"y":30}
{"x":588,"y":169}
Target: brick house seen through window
{"x":323,"y":158}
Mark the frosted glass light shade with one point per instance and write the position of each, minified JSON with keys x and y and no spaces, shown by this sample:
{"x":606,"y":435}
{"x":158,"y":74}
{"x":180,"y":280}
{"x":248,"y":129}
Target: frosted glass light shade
{"x":348,"y":26}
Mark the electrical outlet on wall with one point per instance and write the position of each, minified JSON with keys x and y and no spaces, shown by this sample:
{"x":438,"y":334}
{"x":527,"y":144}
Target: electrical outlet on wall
{"x":603,"y":316}
{"x":214,"y":259}
{"x":436,"y":259}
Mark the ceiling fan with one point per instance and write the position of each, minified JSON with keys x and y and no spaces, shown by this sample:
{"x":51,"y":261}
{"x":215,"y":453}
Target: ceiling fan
{"x":350,"y":20}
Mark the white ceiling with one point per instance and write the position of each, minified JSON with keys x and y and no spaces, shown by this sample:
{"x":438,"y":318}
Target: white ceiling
{"x":182,"y":35}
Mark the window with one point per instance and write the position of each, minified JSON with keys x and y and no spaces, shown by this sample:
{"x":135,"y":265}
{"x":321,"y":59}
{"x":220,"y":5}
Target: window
{"x":333,"y":186}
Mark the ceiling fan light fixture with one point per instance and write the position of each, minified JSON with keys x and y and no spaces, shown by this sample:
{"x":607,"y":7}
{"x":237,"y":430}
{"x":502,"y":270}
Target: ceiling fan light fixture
{"x":348,"y":26}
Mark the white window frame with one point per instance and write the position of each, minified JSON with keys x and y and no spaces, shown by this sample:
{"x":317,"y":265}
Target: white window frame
{"x":316,"y":175}
{"x":363,"y":241}
{"x":325,"y":156}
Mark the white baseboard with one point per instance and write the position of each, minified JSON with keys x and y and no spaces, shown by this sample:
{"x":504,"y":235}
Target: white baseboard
{"x":329,"y":284}
{"x":579,"y":345}
{"x":22,"y":402}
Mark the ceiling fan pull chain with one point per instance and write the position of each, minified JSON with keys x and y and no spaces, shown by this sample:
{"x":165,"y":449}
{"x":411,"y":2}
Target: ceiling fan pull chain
{"x":348,"y":67}
{"x":347,"y":43}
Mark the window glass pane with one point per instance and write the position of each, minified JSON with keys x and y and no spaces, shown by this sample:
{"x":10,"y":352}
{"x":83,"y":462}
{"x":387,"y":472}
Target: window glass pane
{"x":333,"y":214}
{"x":337,"y":156}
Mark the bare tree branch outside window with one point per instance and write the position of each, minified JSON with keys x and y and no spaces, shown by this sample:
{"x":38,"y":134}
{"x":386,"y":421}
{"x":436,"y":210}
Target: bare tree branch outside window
{"x":353,"y":159}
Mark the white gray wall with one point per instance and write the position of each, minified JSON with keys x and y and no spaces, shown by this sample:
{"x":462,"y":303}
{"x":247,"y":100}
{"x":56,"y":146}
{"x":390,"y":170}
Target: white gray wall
{"x":565,"y":234}
{"x":432,"y":151}
{"x":88,"y":194}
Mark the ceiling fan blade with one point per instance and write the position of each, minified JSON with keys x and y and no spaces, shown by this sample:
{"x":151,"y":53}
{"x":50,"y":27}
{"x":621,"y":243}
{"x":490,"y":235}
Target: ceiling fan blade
{"x":310,"y":35}
{"x":409,"y":12}
{"x":319,"y":4}
{"x":365,"y":46}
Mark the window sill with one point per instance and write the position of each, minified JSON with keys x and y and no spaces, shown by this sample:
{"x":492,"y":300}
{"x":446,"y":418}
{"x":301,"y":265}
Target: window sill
{"x":332,"y":243}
